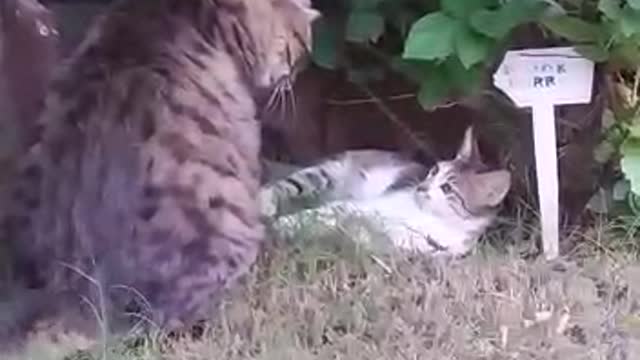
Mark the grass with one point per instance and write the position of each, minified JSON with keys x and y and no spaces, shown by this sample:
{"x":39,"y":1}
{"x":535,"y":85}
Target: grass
{"x":327,"y":298}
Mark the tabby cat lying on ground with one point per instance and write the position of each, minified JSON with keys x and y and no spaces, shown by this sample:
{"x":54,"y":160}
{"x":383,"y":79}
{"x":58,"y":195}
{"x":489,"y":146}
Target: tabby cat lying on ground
{"x":146,"y":176}
{"x":441,"y":210}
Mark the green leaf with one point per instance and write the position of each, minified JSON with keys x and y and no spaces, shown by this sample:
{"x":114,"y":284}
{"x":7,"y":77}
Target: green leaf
{"x":523,"y":11}
{"x":608,"y":119}
{"x":491,"y":23}
{"x":573,"y":29}
{"x":630,"y":22}
{"x":401,"y":19}
{"x":630,"y":163}
{"x":434,"y":89}
{"x":464,"y":81}
{"x":498,"y":23}
{"x":603,"y":152}
{"x":594,"y":53}
{"x":610,"y":8}
{"x":325,"y":44}
{"x":620,"y":190}
{"x":625,"y":54}
{"x":431,"y":37}
{"x":634,"y":4}
{"x":364,"y":26}
{"x":411,"y":69}
{"x":471,"y":46}
{"x":633,"y":201}
{"x":462,"y":9}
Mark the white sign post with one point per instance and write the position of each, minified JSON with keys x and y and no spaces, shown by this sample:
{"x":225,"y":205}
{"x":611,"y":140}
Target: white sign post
{"x":541,"y":79}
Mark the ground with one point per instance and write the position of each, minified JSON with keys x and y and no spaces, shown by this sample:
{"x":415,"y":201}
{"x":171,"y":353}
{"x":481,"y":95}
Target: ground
{"x":326,"y":298}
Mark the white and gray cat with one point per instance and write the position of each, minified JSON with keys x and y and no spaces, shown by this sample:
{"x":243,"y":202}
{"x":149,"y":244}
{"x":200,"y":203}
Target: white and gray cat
{"x":444,"y":209}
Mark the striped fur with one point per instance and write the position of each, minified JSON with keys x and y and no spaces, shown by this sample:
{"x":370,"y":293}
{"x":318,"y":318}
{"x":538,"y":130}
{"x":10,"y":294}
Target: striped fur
{"x":147,"y":172}
{"x":442,"y":210}
{"x":355,"y":174}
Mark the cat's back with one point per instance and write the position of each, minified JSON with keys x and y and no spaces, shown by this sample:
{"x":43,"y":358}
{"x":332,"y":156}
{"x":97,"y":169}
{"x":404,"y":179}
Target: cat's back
{"x":146,"y":101}
{"x":148,"y":164}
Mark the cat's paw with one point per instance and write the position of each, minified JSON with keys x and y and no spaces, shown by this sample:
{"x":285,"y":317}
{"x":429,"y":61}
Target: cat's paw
{"x":268,"y":204}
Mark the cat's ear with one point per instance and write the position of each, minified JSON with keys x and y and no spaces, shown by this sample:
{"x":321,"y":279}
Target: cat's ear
{"x":305,"y":6}
{"x":468,"y":151}
{"x":492,"y":187}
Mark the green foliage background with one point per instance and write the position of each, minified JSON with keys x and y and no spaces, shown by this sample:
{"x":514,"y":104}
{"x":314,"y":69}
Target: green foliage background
{"x":447,"y":47}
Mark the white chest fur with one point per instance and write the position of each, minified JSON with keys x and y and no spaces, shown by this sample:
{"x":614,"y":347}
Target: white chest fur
{"x":406,"y":225}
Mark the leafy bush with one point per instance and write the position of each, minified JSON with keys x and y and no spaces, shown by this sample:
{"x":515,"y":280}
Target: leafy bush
{"x":443,"y":47}
{"x":609,"y":31}
{"x":446,"y":47}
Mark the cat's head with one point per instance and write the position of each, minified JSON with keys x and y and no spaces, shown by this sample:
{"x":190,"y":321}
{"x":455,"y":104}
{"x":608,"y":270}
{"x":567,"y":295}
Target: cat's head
{"x":270,"y":39}
{"x":463,"y":187}
{"x":291,"y":42}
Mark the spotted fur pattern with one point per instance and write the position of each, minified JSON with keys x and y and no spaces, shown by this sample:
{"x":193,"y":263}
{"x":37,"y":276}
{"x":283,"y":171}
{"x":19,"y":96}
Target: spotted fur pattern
{"x":146,"y":176}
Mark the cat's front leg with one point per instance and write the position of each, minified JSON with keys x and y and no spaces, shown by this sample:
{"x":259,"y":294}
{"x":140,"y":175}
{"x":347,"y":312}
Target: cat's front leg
{"x":268,"y":202}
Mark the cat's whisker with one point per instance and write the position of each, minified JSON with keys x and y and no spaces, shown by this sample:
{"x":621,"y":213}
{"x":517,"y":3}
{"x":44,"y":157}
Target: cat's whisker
{"x":282,"y":104}
{"x":292,"y":99}
{"x":285,"y":100}
{"x":276,"y":100}
{"x":272,"y":100}
{"x":283,"y":94}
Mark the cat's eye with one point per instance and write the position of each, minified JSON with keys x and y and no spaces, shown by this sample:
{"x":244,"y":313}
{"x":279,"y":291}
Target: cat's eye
{"x":446,"y":188}
{"x":433,"y":171}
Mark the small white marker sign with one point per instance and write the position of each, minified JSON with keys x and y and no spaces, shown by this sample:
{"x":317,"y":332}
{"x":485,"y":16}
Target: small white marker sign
{"x":541,"y":79}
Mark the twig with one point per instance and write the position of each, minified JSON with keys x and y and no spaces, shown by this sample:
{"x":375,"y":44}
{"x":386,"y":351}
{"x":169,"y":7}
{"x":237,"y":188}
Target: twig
{"x":369,"y":100}
{"x":394,"y":119}
{"x":381,"y":263}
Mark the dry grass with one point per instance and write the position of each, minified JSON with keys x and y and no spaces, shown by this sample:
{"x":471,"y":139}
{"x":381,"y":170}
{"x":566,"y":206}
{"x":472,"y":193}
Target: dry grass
{"x":325,"y":298}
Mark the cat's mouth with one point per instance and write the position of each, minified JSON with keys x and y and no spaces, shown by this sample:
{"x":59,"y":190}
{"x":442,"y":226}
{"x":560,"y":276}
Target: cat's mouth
{"x":421,"y":197}
{"x":422,"y":192}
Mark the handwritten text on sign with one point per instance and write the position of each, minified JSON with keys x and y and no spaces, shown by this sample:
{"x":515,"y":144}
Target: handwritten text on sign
{"x":556,"y":75}
{"x":548,"y":73}
{"x":541,"y":79}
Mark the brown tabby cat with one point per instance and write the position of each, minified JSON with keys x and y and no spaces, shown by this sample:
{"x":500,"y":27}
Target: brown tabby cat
{"x":144,"y":184}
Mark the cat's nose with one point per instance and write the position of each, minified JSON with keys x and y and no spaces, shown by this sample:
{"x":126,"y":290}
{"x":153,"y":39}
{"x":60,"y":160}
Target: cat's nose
{"x":422,"y":190}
